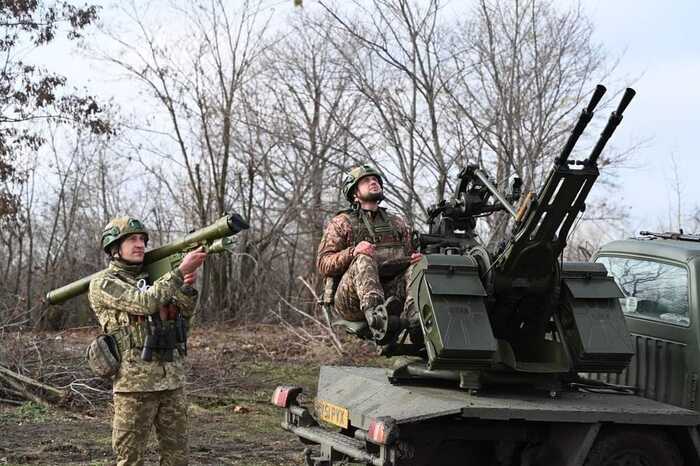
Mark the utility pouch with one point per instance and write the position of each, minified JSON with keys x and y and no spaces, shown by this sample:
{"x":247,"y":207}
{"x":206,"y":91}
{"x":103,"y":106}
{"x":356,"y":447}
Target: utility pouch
{"x":168,"y":341}
{"x":330,"y":285}
{"x":103,"y":356}
{"x":149,"y":342}
{"x":181,"y":329}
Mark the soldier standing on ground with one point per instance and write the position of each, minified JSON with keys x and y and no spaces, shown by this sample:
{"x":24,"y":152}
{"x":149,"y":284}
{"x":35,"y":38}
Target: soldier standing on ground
{"x":369,"y":251}
{"x":146,"y":393}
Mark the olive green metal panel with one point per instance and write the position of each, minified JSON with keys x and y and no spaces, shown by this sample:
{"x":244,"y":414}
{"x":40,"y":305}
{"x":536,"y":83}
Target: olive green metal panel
{"x":367,"y":395}
{"x":451,"y":275}
{"x":658,"y":371}
{"x":449,"y":296}
{"x":460,"y":282}
{"x":666,"y":364}
{"x":594,"y":289}
{"x":589,"y":280}
{"x":679,"y":251}
{"x":596,"y":334}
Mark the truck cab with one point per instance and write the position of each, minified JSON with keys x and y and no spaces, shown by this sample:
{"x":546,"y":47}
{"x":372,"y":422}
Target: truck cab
{"x":659,"y":275}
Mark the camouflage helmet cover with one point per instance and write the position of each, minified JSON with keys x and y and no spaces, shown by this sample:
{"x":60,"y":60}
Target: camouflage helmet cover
{"x":118,"y":228}
{"x":355,"y":175}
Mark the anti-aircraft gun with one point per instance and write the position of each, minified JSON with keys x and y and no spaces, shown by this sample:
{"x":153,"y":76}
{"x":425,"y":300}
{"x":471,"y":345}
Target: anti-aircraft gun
{"x":519,"y":314}
{"x":506,"y":334}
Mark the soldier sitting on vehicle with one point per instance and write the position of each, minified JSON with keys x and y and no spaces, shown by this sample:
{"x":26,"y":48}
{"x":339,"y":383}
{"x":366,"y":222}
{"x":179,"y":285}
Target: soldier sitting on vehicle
{"x":368,"y":252}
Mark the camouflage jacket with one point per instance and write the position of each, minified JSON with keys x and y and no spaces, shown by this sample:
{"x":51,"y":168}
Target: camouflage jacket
{"x":335,"y":253}
{"x":117,"y":301}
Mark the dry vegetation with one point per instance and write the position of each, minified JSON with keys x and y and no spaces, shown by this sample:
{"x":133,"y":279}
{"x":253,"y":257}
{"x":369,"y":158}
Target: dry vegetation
{"x":232,"y":374}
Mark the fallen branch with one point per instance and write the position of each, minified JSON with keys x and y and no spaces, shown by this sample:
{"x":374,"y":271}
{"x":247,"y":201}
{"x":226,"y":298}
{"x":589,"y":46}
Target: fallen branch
{"x":18,"y":382}
{"x":11,"y":402}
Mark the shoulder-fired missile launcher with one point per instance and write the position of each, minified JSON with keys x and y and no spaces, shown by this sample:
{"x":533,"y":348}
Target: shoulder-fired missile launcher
{"x":215,"y":238}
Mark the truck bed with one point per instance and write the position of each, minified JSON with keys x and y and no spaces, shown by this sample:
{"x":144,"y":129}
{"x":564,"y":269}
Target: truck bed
{"x":367,"y":394}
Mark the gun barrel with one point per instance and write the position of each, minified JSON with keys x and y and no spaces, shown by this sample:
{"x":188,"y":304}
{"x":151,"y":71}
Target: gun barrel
{"x":613,"y":121}
{"x":504,"y":202}
{"x":584,"y":119}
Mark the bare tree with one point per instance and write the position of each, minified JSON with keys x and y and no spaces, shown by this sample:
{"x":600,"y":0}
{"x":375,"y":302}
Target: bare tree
{"x":521,"y":70}
{"x":199,"y":86}
{"x":398,"y":64}
{"x":233,"y":111}
{"x":313,"y":109}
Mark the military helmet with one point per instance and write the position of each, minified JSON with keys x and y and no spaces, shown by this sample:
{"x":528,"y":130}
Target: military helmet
{"x":118,"y":228}
{"x":355,"y":175}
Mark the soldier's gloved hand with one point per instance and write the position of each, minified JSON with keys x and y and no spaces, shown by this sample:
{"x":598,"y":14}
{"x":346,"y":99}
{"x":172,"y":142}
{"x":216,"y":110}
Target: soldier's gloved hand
{"x":364,"y":247}
{"x":192,"y":261}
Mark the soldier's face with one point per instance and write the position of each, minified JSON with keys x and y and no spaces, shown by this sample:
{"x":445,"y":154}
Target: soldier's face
{"x":369,"y":189}
{"x":133,"y":248}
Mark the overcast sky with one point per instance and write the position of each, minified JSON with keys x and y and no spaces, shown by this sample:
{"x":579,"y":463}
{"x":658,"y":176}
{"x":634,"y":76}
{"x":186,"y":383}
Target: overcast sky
{"x":658,"y":45}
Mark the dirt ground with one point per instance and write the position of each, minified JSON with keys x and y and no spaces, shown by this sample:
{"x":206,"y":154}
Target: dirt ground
{"x":233,"y":372}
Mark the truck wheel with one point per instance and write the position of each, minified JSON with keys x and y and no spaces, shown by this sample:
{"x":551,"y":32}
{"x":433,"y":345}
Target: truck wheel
{"x":634,"y":448}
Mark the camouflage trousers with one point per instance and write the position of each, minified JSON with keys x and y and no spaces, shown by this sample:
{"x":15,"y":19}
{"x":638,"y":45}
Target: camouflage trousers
{"x":134,"y":415}
{"x":361,"y":288}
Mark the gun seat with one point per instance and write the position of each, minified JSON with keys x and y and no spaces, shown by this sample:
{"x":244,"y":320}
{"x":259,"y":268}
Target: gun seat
{"x":358,"y":328}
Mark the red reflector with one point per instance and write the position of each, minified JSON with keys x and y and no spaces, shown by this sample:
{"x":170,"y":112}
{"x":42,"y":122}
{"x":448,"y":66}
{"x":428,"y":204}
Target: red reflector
{"x":284,"y":395}
{"x":383,"y":431}
{"x":377,"y":432}
{"x":279,"y":398}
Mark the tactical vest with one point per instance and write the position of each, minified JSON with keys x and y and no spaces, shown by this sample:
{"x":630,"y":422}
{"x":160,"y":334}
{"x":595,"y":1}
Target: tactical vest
{"x":132,"y":335}
{"x":379,"y":231}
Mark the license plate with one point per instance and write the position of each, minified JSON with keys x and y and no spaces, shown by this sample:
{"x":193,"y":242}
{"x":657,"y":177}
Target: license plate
{"x":332,"y":414}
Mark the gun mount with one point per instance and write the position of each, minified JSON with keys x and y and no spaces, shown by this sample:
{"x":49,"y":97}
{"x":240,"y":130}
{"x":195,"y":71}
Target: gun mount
{"x":518,"y":314}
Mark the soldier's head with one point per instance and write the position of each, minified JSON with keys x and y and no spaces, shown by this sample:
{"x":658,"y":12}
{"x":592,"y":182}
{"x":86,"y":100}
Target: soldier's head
{"x":364,"y":183}
{"x":125,"y":238}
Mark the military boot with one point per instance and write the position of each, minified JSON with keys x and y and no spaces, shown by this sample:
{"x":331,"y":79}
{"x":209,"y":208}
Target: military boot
{"x":383,"y":322}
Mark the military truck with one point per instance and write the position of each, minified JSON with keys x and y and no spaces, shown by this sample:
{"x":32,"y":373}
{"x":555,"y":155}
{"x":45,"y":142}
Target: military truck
{"x":496,"y":379}
{"x":659,"y":274}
